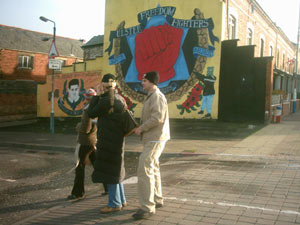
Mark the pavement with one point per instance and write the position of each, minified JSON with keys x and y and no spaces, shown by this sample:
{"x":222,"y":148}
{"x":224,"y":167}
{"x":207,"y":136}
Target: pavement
{"x":255,"y":180}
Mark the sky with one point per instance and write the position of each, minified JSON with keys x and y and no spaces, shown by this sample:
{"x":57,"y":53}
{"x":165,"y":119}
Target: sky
{"x":75,"y":19}
{"x":285,"y":13}
{"x":79,"y":19}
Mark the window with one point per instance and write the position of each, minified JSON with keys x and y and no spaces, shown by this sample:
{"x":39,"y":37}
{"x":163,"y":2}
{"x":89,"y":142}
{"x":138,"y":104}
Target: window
{"x":252,"y":8}
{"x":271,"y":50}
{"x":250,"y":36}
{"x":283,"y":59}
{"x":277,"y":58}
{"x":232,"y":27}
{"x":26,"y":62}
{"x":262,"y":47}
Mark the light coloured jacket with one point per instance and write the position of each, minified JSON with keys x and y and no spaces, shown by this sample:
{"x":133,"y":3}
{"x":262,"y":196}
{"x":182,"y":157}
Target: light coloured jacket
{"x":155,"y":118}
{"x":87,"y":130}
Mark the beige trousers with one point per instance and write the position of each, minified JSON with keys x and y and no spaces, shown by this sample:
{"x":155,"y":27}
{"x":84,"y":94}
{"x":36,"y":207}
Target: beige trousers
{"x":149,"y":181}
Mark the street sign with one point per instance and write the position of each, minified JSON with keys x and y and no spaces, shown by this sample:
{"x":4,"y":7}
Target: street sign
{"x":53,"y":51}
{"x":54,"y":64}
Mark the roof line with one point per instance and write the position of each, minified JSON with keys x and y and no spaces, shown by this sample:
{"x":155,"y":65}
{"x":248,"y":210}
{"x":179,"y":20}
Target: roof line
{"x":57,"y":36}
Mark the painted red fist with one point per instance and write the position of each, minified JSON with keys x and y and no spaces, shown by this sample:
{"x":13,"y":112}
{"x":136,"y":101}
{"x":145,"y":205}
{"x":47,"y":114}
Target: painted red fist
{"x":157,"y":49}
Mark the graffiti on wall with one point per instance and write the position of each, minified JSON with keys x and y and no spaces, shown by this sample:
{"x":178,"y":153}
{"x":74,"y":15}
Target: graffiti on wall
{"x":177,"y":48}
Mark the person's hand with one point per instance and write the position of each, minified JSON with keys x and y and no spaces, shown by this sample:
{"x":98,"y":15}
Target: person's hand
{"x":157,"y":49}
{"x":137,"y":131}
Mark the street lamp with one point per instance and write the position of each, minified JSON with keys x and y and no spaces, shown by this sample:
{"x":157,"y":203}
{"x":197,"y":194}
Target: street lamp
{"x":52,"y":90}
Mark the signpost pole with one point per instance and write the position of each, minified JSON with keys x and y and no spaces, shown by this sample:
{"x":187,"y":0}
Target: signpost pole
{"x":52,"y":105}
{"x":52,"y":53}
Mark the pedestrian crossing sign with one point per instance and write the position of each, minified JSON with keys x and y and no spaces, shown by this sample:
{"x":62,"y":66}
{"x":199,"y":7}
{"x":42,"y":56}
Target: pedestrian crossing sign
{"x":53,"y":50}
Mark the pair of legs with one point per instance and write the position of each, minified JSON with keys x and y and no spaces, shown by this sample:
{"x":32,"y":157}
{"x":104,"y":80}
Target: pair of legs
{"x":78,"y":187}
{"x":149,"y":180}
{"x":207,"y":103}
{"x":116,"y":195}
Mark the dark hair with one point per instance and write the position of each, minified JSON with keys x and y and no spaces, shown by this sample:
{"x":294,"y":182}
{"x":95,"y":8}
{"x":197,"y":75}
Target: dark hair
{"x":152,"y":76}
{"x":73,"y":82}
{"x":107,"y":77}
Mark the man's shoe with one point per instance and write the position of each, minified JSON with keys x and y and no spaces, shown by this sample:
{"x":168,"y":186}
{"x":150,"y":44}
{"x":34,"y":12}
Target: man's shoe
{"x":141,"y":214}
{"x":158,"y":205}
{"x":108,"y":209}
{"x":201,"y":112}
{"x":124,"y":204}
{"x":74,"y":197}
{"x":207,"y":116}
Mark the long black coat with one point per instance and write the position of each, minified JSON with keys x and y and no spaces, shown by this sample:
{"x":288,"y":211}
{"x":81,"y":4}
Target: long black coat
{"x":109,"y":165}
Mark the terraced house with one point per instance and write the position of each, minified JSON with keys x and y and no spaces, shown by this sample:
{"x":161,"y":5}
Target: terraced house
{"x":24,"y":64}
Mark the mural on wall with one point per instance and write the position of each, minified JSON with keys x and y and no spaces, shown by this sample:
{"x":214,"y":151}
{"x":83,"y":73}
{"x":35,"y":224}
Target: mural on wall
{"x":177,"y":48}
{"x":68,"y":94}
{"x":72,"y":98}
{"x":130,"y":104}
{"x":205,"y":85}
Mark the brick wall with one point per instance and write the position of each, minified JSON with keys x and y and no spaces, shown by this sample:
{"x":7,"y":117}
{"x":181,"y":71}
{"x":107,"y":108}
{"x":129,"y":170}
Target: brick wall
{"x":9,"y":70}
{"x":17,"y":100}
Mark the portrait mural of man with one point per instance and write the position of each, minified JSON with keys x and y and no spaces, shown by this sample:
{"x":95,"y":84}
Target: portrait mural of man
{"x":73,"y":95}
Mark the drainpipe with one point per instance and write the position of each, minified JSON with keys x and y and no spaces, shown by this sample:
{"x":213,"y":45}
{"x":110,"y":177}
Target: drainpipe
{"x":296,"y":69}
{"x":227,"y":19}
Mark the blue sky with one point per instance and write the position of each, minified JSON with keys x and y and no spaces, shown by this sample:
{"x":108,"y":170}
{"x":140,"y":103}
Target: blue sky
{"x":84,"y":19}
{"x":74,"y":18}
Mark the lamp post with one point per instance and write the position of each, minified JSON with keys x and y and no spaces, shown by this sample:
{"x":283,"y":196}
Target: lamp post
{"x":52,"y":89}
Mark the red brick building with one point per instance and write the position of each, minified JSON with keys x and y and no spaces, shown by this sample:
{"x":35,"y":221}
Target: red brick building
{"x":23,"y":54}
{"x":23,"y":64}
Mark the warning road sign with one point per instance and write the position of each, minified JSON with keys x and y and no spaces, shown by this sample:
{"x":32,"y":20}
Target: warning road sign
{"x":53,"y":51}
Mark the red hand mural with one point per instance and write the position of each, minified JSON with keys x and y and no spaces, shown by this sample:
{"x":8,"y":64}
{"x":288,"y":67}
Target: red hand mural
{"x":157,"y":49}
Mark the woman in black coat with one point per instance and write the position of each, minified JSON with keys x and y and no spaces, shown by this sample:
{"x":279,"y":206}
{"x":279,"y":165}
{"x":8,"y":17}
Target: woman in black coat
{"x":109,"y":165}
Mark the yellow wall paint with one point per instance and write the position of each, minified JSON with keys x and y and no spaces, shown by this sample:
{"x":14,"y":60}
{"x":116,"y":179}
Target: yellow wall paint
{"x":67,"y":69}
{"x":94,"y":64}
{"x":123,"y":10}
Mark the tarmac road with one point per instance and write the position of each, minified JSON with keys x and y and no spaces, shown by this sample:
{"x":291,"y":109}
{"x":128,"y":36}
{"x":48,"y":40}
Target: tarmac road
{"x":35,"y":180}
{"x":224,"y":181}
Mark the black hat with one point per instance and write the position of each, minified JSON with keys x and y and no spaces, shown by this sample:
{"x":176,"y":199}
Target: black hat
{"x":107,"y":77}
{"x":153,"y":77}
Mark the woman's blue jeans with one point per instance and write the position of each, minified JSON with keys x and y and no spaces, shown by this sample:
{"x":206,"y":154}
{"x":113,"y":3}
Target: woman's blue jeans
{"x":116,"y":195}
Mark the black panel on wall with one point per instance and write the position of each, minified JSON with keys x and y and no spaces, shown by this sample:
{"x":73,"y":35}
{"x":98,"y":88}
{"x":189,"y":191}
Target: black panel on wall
{"x":242,"y":84}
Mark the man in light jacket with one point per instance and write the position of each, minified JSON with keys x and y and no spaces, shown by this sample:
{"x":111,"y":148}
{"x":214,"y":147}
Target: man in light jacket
{"x":155,"y":132}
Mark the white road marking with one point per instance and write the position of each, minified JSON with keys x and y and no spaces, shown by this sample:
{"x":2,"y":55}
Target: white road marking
{"x":234,"y":205}
{"x":8,"y":180}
